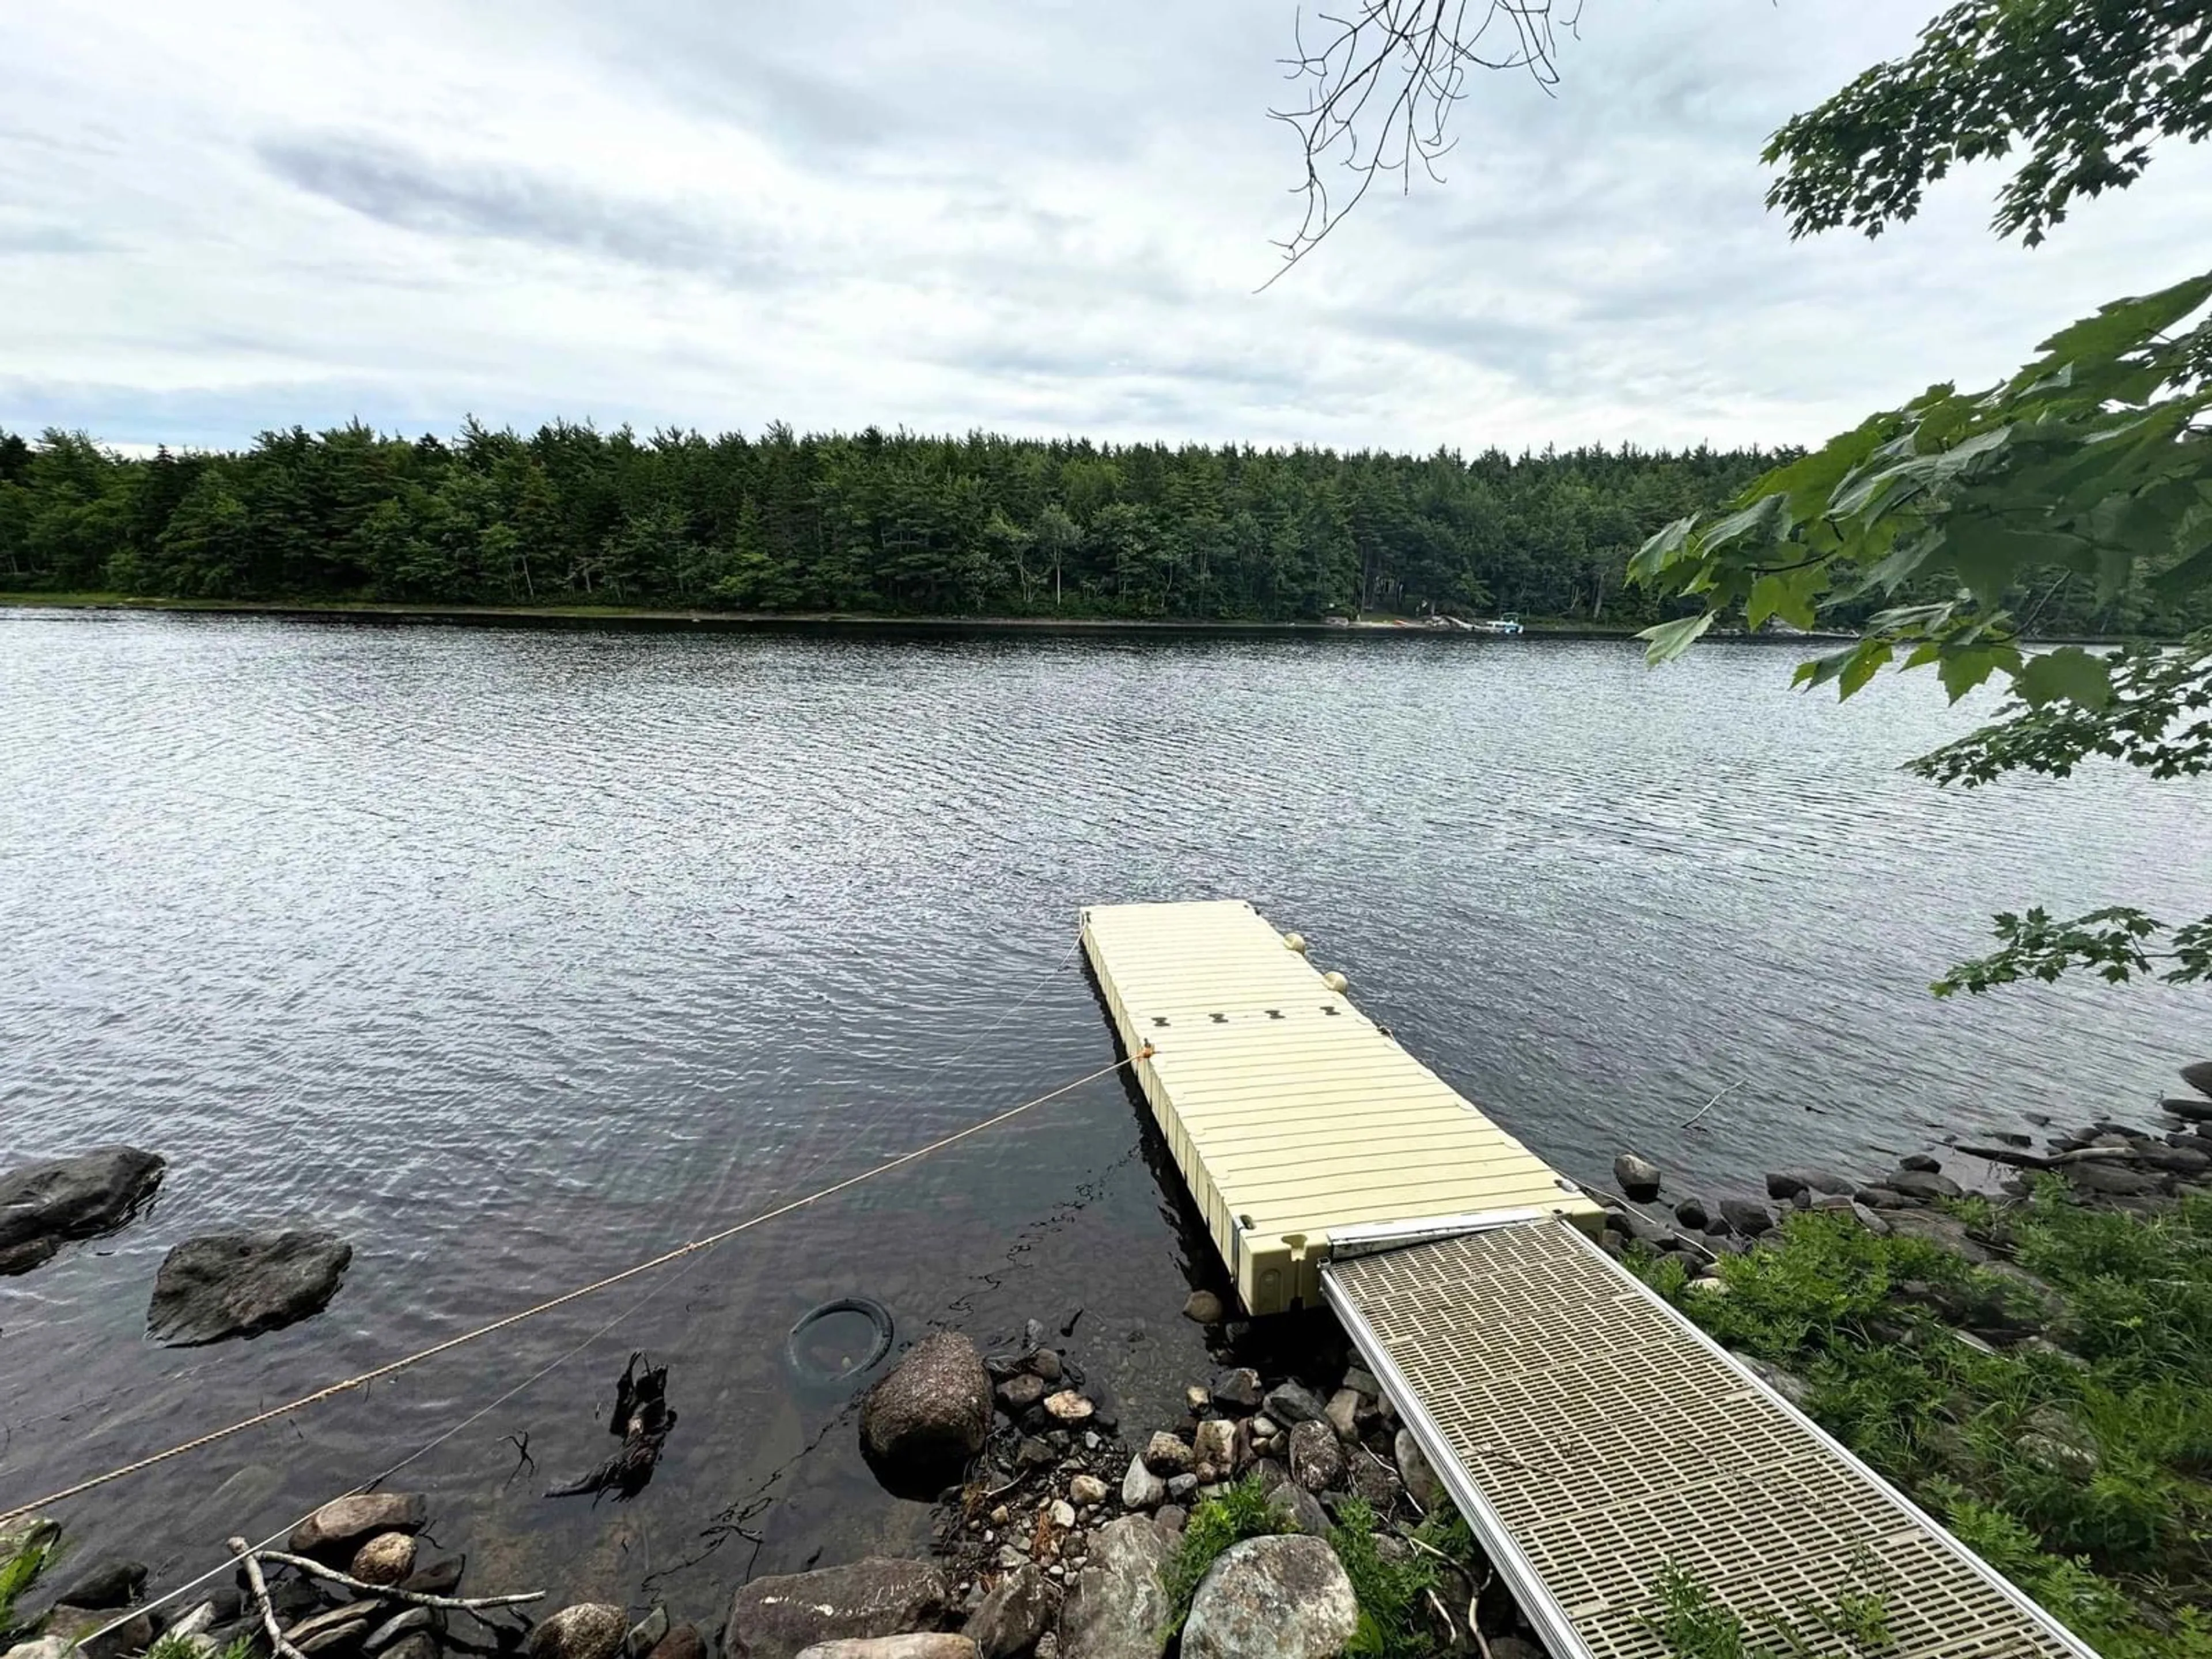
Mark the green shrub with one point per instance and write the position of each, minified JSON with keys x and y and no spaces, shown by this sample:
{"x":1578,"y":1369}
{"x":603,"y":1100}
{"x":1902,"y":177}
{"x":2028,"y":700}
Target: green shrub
{"x":1242,"y":1511}
{"x":1390,"y":1592}
{"x":19,"y":1571}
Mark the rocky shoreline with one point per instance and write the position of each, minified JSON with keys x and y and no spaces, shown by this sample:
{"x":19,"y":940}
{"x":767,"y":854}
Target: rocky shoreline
{"x":1286,"y":1514}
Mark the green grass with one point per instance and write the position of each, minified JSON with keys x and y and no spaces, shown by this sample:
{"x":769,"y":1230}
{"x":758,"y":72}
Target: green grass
{"x":1691,"y":1623}
{"x":2083,"y":1471}
{"x":1241,"y":1512}
{"x":1390,"y":1592}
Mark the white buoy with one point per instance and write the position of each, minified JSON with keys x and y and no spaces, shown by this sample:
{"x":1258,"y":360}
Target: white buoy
{"x":1297,"y":942}
{"x":1336,"y":983}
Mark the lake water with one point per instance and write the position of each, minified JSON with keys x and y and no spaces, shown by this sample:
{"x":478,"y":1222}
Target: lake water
{"x":516,"y":956}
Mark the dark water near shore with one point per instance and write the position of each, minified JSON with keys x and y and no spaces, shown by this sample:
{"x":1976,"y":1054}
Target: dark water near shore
{"x":516,"y":956}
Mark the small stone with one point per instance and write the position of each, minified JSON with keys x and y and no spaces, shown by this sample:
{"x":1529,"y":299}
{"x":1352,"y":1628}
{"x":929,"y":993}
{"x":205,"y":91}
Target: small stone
{"x":1637,"y":1177}
{"x":1870,"y":1219}
{"x":1171,"y":1519}
{"x":1213,"y":1448}
{"x":1068,"y":1406}
{"x":1316,"y":1456}
{"x":1204,"y":1308}
{"x":1141,"y":1488}
{"x":1793,"y":1184}
{"x":682,"y":1642}
{"x":1034,"y":1454}
{"x":1421,"y":1483}
{"x":1920,"y":1163}
{"x":439,"y":1579}
{"x":1010,"y":1558}
{"x":1166,"y":1455}
{"x":385,"y":1558}
{"x":1062,"y":1513}
{"x":647,"y":1633}
{"x":423,"y":1646}
{"x":1180,"y":1486}
{"x":590,"y":1630}
{"x":1691,"y":1212}
{"x":1045,"y":1362}
{"x":1238,"y":1389}
{"x":1264,"y":1428}
{"x":1362,"y":1382}
{"x":1088,"y":1489}
{"x":1343,"y":1414}
{"x":2058,"y":1445}
{"x":1292,"y":1403}
{"x":1021,"y":1391}
{"x":1195,"y":1399}
{"x":405,"y":1622}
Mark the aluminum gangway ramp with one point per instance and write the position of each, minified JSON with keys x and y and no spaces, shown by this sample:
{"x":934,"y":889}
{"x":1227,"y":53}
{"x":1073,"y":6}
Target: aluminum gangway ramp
{"x":1590,"y":1436}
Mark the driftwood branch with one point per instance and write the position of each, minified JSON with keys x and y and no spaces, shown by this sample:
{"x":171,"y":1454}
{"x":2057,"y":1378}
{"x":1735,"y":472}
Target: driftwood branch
{"x":1707,"y":1106}
{"x":278,"y":1642}
{"x":474,"y":1604}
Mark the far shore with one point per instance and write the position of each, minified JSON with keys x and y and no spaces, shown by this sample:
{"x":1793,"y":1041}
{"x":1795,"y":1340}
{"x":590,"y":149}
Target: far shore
{"x":592,"y":616}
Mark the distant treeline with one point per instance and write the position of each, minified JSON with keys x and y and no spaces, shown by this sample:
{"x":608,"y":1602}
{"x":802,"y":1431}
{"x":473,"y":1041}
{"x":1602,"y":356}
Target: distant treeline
{"x":872,"y":522}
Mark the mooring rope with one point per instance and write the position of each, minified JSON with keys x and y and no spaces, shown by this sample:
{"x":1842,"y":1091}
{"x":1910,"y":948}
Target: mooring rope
{"x":363,"y":1379}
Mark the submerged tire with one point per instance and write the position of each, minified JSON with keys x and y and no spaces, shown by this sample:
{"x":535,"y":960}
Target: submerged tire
{"x":874,"y":1312}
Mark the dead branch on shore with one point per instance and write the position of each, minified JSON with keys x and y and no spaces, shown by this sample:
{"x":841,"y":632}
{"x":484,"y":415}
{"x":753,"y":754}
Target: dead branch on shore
{"x":469,"y":1604}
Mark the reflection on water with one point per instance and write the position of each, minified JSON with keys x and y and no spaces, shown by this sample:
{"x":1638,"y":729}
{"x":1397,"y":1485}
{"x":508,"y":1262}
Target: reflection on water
{"x":516,"y":958}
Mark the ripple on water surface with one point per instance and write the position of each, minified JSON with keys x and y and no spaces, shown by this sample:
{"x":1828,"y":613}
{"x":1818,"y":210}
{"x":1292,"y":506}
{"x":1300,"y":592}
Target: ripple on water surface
{"x":517,"y":956}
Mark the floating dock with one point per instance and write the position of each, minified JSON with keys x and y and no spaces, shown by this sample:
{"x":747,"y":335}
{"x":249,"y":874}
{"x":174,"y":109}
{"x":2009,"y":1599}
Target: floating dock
{"x":1302,"y":1129}
{"x":1588,"y":1434}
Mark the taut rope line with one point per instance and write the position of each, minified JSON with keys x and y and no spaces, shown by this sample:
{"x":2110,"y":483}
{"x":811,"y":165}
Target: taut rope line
{"x":661,"y":1261}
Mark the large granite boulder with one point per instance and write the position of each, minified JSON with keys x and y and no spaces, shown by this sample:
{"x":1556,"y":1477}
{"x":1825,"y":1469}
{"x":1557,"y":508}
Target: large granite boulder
{"x":226,"y":1284}
{"x":1117,"y":1607}
{"x":928,"y":1416}
{"x":1272,"y":1598}
{"x":780,"y":1618}
{"x":42,"y":1205}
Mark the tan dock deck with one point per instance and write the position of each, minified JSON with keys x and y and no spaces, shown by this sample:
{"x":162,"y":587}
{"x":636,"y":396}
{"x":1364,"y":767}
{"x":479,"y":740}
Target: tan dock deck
{"x":1300,"y":1126}
{"x":1587,"y":1432}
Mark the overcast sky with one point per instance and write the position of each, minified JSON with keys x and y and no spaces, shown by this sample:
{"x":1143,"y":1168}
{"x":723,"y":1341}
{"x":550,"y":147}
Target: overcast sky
{"x":1016,"y":214}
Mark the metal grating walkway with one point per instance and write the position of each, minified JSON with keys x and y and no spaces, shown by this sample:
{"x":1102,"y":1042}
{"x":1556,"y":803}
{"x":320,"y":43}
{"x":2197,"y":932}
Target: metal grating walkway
{"x":1591,"y":1435}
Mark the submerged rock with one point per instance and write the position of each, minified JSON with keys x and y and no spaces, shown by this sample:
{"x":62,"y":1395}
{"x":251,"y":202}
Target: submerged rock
{"x":1204,"y":1308}
{"x":343,"y":1523}
{"x":1272,"y":1598}
{"x":931,"y":1414}
{"x":780,"y":1618}
{"x":112,"y":1583}
{"x":96,"y":1192}
{"x":226,"y":1284}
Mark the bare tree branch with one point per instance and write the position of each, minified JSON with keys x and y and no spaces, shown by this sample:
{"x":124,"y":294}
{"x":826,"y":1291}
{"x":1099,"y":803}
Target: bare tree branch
{"x":1381,"y":84}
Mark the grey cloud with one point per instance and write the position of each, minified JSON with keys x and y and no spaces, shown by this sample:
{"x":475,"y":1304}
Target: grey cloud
{"x":49,"y":238}
{"x":396,"y":187}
